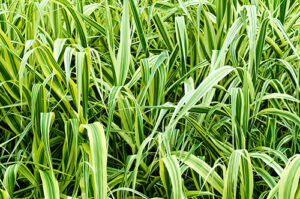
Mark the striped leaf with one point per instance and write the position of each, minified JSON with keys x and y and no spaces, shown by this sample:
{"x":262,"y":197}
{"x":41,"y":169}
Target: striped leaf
{"x":98,"y":158}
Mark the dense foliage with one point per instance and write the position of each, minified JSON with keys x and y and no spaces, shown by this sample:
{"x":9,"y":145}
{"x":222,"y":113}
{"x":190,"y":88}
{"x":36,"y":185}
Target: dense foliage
{"x":149,"y":99}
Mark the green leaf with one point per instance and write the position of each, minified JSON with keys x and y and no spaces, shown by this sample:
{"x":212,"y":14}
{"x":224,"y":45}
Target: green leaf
{"x":172,"y":166}
{"x":123,"y":59}
{"x":50,"y":185}
{"x":98,"y":157}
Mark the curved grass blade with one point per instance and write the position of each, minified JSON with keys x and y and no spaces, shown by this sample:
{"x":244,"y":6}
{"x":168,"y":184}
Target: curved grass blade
{"x":98,"y":149}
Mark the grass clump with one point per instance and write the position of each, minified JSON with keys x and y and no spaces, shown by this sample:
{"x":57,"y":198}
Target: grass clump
{"x":149,"y":99}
